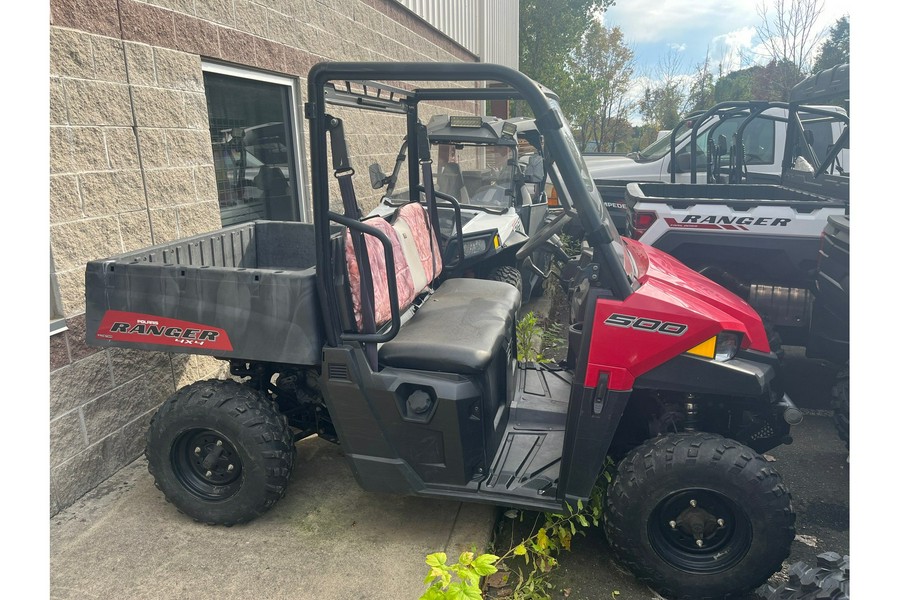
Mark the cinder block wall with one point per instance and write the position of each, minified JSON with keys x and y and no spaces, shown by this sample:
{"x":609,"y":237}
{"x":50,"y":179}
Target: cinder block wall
{"x":131,"y":165}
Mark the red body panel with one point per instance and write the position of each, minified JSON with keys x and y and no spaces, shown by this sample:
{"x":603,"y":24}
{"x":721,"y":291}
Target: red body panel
{"x":674,"y":310}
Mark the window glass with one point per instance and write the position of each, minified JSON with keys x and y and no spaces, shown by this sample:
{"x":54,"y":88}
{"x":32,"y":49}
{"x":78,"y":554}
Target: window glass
{"x":251,"y":125}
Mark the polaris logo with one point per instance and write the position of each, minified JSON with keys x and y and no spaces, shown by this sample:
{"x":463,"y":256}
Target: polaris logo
{"x":645,"y":324}
{"x":726,"y":223}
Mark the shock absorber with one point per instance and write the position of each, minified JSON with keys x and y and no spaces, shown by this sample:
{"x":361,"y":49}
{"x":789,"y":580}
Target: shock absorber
{"x":690,"y":413}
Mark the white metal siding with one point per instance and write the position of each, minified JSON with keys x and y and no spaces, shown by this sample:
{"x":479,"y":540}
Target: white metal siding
{"x":487,"y":28}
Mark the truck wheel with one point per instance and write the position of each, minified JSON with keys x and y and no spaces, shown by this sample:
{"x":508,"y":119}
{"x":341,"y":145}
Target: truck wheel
{"x":507,"y":274}
{"x":220,"y":452}
{"x":840,"y":403}
{"x":696,"y":515}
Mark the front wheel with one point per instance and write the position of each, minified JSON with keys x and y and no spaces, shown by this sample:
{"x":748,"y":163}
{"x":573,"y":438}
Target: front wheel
{"x":220,"y":452}
{"x":696,"y":515}
{"x":507,"y":274}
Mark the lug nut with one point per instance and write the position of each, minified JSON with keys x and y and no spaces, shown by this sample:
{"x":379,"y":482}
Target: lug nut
{"x":218,"y":442}
{"x":197,"y":450}
{"x":721,"y":522}
{"x":699,"y":543}
{"x":672,"y":524}
{"x":693,"y":504}
{"x":209,"y":473}
{"x":231,"y":468}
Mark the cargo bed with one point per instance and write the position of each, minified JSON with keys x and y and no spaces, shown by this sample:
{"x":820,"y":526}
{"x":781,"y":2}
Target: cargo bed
{"x":245,"y":291}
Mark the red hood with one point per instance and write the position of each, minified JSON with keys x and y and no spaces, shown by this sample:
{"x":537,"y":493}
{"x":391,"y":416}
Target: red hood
{"x":663,"y":276}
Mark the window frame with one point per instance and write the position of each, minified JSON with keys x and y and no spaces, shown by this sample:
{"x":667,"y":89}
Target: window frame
{"x":295,"y":98}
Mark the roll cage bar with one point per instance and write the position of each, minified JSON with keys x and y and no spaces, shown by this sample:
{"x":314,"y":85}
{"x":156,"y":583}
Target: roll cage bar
{"x":353,"y":84}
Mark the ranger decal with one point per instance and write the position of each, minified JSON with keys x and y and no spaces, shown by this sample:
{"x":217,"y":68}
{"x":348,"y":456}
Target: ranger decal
{"x":139,"y":328}
{"x":723,"y":222}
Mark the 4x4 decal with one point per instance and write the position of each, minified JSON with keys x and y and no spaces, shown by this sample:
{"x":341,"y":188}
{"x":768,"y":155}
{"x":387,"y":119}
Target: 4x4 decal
{"x":645,"y":324}
{"x":723,"y":222}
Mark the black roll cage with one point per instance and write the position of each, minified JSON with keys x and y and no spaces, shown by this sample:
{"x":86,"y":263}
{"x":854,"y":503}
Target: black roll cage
{"x":398,"y":100}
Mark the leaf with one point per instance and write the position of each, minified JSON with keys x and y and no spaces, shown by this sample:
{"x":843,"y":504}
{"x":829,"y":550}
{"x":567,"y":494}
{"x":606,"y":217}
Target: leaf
{"x":438,"y":559}
{"x":580,"y":505}
{"x":583,"y":521}
{"x":432,"y":593}
{"x":462,"y":591}
{"x":542,"y":539}
{"x":466,"y":558}
{"x":484,"y":564}
{"x":520,"y":550}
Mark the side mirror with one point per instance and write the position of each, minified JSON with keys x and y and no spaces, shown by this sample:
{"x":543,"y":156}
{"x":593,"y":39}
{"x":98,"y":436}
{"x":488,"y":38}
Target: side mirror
{"x":377,"y":176}
{"x":682,"y":162}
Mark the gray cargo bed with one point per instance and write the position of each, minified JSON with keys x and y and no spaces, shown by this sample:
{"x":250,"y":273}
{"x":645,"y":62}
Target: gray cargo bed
{"x":247,"y":291}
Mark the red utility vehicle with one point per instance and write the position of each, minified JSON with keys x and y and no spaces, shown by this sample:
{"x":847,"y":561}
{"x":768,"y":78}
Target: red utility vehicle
{"x":345,"y":328}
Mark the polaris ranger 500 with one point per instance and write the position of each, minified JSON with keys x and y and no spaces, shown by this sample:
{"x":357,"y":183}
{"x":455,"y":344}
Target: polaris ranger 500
{"x":344,"y":328}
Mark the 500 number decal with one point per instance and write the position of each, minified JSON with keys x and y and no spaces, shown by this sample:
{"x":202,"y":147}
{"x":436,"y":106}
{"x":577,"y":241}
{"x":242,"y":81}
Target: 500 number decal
{"x":645,"y":324}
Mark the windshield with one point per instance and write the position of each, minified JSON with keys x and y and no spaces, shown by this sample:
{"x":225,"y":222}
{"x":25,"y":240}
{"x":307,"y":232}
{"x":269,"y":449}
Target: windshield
{"x":660,"y":147}
{"x":476,"y":175}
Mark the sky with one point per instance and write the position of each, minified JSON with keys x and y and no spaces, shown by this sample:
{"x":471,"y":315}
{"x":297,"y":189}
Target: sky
{"x":689,"y":29}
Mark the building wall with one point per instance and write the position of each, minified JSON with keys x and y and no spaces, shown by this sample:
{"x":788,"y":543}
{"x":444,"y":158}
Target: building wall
{"x":131,"y":166}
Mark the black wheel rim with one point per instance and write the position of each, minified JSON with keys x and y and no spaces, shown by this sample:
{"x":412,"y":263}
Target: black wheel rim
{"x":722,"y":527}
{"x":206,"y":464}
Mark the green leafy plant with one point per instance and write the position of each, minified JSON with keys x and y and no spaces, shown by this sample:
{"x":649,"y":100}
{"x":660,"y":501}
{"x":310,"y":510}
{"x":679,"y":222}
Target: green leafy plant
{"x":533,"y":339}
{"x":525,"y":565}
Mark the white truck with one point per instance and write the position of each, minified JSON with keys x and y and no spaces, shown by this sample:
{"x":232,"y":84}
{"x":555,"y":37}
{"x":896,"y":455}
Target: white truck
{"x":763,"y":128}
{"x":761,"y":240}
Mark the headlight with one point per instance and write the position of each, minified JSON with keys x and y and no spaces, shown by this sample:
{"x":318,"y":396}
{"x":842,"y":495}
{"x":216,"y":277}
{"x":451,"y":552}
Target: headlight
{"x":474,"y":247}
{"x":721,"y":347}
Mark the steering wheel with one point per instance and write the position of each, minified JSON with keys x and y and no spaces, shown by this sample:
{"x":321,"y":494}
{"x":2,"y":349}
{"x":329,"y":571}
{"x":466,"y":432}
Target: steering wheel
{"x":548,"y":231}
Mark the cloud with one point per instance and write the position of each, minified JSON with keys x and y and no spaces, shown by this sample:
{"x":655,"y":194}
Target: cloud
{"x":647,"y":21}
{"x":678,"y":47}
{"x":726,"y":50}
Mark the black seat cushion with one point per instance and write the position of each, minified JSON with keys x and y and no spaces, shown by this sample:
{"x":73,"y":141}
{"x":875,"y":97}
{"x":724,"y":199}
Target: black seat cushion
{"x":458,"y":330}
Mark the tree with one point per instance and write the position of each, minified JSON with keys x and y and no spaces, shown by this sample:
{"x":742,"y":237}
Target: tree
{"x":602,"y":67}
{"x":836,"y":49}
{"x":702,"y":93}
{"x":665,"y":100}
{"x":788,"y":35}
{"x":548,"y":37}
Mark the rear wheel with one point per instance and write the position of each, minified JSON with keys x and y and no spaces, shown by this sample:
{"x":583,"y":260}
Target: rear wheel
{"x":507,"y":274}
{"x":697,"y":515}
{"x":220,"y":452}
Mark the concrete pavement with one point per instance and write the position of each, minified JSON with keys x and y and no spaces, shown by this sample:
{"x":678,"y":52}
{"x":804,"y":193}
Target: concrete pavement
{"x":326,"y":539}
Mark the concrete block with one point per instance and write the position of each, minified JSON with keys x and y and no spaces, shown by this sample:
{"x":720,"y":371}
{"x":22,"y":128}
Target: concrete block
{"x":164,"y":224}
{"x":71,"y":290}
{"x":112,"y":192}
{"x":78,"y":383}
{"x":73,"y":244}
{"x":182,"y":6}
{"x":169,"y":187}
{"x":128,"y":364}
{"x":195,"y":112}
{"x":196,"y":36}
{"x":88,"y":149}
{"x":61,"y":159}
{"x":158,"y":107}
{"x":188,"y":368}
{"x":285,"y":30}
{"x":66,"y":437}
{"x":116,"y":409}
{"x":188,"y":148}
{"x":178,"y":70}
{"x":154,"y":152}
{"x":71,"y":54}
{"x":59,"y":351}
{"x":87,"y":469}
{"x":251,"y":17}
{"x":137,"y":226}
{"x":78,"y":349}
{"x":205,"y":184}
{"x":65,"y":201}
{"x":109,"y":59}
{"x":121,"y":148}
{"x":95,"y":16}
{"x":58,"y":113}
{"x":97,"y":103}
{"x":141,"y":66}
{"x":198,"y":218}
{"x":148,"y":24}
{"x":217,"y":11}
